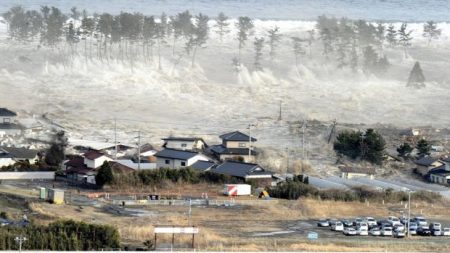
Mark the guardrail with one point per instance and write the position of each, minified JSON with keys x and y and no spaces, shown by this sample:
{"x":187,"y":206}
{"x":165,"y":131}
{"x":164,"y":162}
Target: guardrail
{"x":27,"y":175}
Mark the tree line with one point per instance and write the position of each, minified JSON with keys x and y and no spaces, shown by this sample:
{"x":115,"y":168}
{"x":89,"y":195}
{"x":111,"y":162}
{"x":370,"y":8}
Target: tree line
{"x":64,"y":235}
{"x":354,"y":44}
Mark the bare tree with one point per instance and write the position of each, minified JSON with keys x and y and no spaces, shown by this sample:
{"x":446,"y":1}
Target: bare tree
{"x":274,"y":39}
{"x":244,"y":26}
{"x":199,"y":35}
{"x":405,"y":38}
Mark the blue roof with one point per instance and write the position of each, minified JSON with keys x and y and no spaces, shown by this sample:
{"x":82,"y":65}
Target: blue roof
{"x":236,"y":136}
{"x":7,"y":113}
{"x":202,"y":165}
{"x":426,"y":161}
{"x":239,"y":169}
{"x":176,"y":154}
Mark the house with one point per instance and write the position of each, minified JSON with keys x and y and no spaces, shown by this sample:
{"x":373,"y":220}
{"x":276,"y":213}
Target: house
{"x":446,"y":161}
{"x":107,"y":148}
{"x":81,"y":175}
{"x":173,"y":158}
{"x":21,"y":154}
{"x":426,"y":164}
{"x":6,"y":159}
{"x":245,"y":172}
{"x":94,"y":159}
{"x":203,"y":165}
{"x":134,"y":165}
{"x":235,"y":146}
{"x":185,"y":143}
{"x":440,"y":175}
{"x":7,"y":116}
{"x":8,"y":125}
{"x":353,"y":172}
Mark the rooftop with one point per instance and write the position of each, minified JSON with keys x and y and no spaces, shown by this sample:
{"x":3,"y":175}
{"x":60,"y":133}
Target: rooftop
{"x":21,"y":153}
{"x":176,"y":154}
{"x":92,"y":155}
{"x":220,"y":149}
{"x":426,"y":161}
{"x":202,"y":165}
{"x":440,"y":171}
{"x":182,"y":139}
{"x":236,"y":136}
{"x":239,"y":169}
{"x":7,"y":113}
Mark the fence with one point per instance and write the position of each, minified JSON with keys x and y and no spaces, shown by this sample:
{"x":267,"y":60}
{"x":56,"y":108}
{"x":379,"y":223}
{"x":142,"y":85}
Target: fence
{"x":29,"y":175}
{"x":193,"y":202}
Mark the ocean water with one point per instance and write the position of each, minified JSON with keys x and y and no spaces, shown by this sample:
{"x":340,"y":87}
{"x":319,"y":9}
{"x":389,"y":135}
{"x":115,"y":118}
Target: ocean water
{"x":387,"y":10}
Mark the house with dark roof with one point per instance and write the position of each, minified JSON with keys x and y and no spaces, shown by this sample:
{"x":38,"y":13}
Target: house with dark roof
{"x":425,"y":164}
{"x":7,"y":116}
{"x":440,"y":175}
{"x":8,"y":125}
{"x":203,"y":165}
{"x":245,"y":171}
{"x":21,"y":154}
{"x":175,"y":159}
{"x":235,"y":146}
{"x":185,"y":143}
{"x":353,"y":172}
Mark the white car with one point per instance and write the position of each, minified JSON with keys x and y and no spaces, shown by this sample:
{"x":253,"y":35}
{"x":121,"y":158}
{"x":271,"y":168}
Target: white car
{"x":399,"y":234}
{"x":362,"y":225}
{"x":436,"y":232}
{"x":386,"y":231}
{"x":370,"y":221}
{"x":338,"y":226}
{"x":413,"y":225}
{"x":413,"y":231}
{"x":349,"y":231}
{"x":435,"y":226}
{"x":446,"y":231}
{"x":362,"y":231}
{"x":399,"y":227}
{"x":394,"y":220}
{"x":375,"y":232}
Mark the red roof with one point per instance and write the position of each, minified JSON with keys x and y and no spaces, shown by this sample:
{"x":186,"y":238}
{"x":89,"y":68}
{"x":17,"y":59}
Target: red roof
{"x":76,"y":162}
{"x":92,"y":155}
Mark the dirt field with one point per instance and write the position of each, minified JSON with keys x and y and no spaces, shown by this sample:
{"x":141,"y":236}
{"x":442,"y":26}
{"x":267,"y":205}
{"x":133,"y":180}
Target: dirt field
{"x":260,"y":225}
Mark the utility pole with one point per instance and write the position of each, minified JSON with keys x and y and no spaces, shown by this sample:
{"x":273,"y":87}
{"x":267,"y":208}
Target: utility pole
{"x":139,"y":150}
{"x":287,"y":159}
{"x":115,"y":138}
{"x":20,"y":239}
{"x":409,"y":210}
{"x":250,"y":142}
{"x":303,"y":139}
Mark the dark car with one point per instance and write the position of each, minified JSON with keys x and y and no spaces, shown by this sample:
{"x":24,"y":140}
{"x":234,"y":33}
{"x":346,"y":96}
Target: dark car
{"x":347,"y":223}
{"x":423,"y":231}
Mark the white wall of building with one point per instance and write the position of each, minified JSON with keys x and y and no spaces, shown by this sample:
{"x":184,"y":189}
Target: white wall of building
{"x":176,"y":163}
{"x":97,"y":162}
{"x":6,"y":162}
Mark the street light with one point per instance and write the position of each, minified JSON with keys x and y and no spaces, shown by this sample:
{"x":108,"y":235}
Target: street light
{"x":20,"y":240}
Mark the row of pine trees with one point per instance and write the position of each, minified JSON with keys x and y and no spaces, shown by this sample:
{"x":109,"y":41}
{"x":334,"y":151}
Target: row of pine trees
{"x":354,"y":44}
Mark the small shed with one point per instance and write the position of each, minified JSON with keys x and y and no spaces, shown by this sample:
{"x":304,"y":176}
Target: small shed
{"x":42,"y":193}
{"x":352,"y":172}
{"x":56,"y":196}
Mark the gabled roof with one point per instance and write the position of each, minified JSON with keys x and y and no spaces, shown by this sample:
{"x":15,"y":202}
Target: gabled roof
{"x":440,"y":171}
{"x":7,"y":113}
{"x":236,"y":136}
{"x":176,"y":154}
{"x":222,"y":150}
{"x":183,"y":139}
{"x":426,"y":161}
{"x":368,"y":171}
{"x":76,"y":162}
{"x":238,"y":169}
{"x":92,"y":155}
{"x":202,"y":165}
{"x":20,"y":153}
{"x":446,"y":159}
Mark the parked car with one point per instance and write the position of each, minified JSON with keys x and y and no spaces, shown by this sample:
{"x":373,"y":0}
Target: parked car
{"x":362,"y":225}
{"x":394,"y":220}
{"x":386,"y":231}
{"x":436,"y":232}
{"x":371,"y":222}
{"x":421,"y":221}
{"x":349,"y":231}
{"x":446,"y":231}
{"x":412,"y":231}
{"x":337,"y":226}
{"x":399,"y":227}
{"x":399,"y":234}
{"x":357,"y":220}
{"x":323,"y":223}
{"x":413,"y":225}
{"x":362,"y":231}
{"x":435,"y":226}
{"x":347,"y":223}
{"x":375,"y":231}
{"x":424,"y":231}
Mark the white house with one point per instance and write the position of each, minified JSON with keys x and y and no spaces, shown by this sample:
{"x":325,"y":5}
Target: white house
{"x":172,"y":158}
{"x":235,"y":145}
{"x":7,"y":116}
{"x":95,"y":159}
{"x":184,"y":143}
{"x":440,"y":175}
{"x":6,"y":159}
